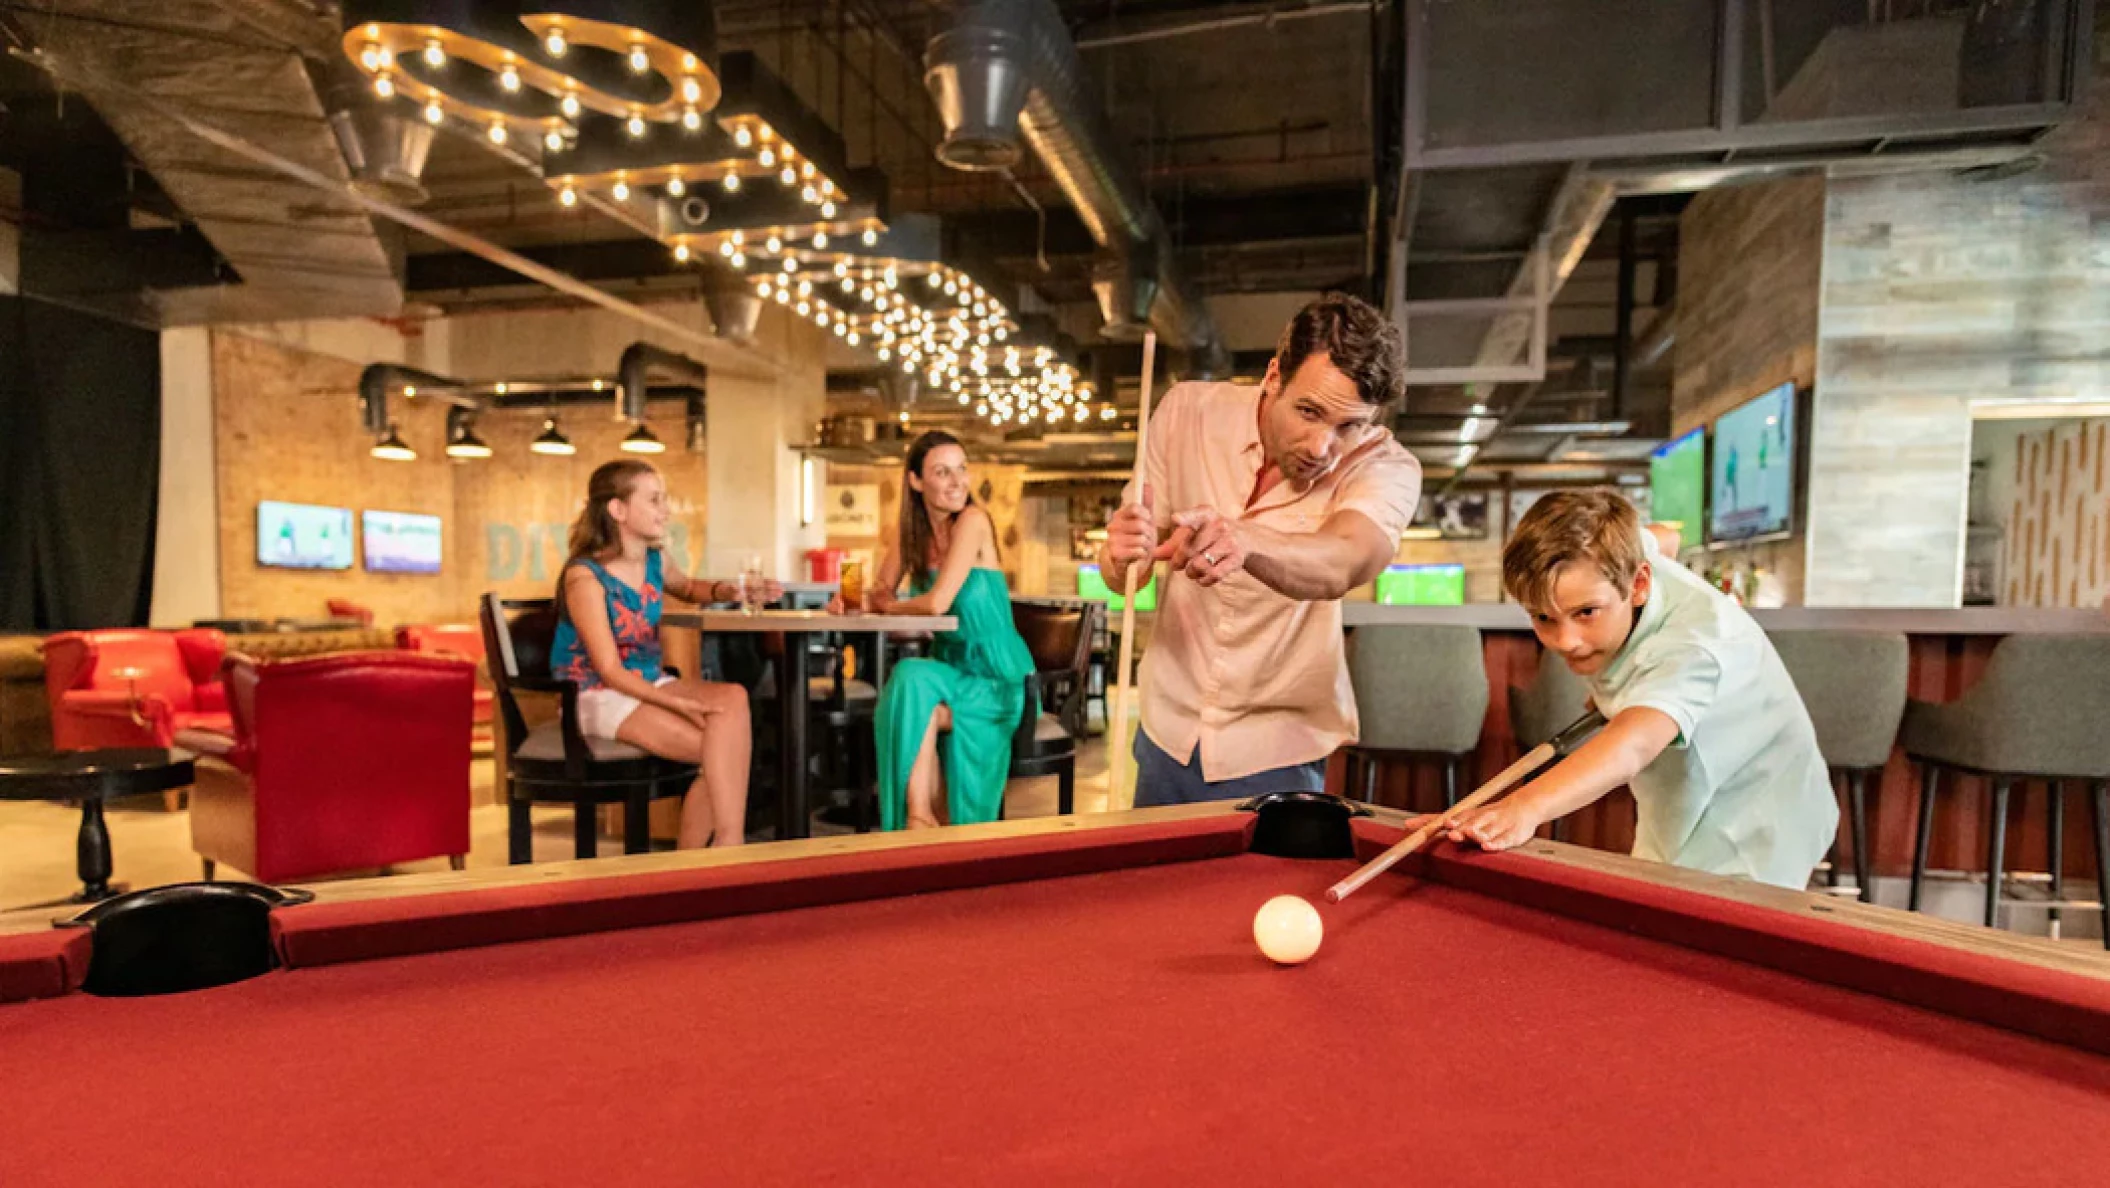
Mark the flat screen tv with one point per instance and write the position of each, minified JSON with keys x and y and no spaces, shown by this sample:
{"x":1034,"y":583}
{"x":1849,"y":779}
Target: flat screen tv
{"x":400,"y":542}
{"x":303,"y":536}
{"x":1421,"y":585}
{"x":1751,"y":483}
{"x":1091,"y":585}
{"x":1677,"y":485}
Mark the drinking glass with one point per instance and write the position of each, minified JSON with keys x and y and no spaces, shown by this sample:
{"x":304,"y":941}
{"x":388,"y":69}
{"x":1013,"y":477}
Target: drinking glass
{"x":751,"y":594}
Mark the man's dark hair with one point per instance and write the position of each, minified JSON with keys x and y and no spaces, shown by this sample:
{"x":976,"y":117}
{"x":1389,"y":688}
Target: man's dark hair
{"x":1362,"y":343}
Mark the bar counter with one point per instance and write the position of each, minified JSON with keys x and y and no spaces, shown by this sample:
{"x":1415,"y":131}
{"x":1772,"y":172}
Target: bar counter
{"x":1950,"y":648}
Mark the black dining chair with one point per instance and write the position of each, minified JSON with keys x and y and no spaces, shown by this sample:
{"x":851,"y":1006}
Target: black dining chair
{"x":553,"y":762}
{"x":1059,"y":636}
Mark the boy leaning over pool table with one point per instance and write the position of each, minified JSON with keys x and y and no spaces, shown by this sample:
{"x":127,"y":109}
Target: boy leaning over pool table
{"x":1702,"y":720}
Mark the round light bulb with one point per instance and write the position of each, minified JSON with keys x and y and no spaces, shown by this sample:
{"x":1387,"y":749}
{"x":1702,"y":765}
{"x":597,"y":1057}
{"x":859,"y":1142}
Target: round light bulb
{"x":636,"y":125}
{"x":774,"y":245}
{"x":497,"y":132}
{"x":827,"y":210}
{"x":870,"y":237}
{"x":691,"y":91}
{"x":554,"y":44}
{"x":732,"y":181}
{"x":676,"y":187}
{"x":509,"y":80}
{"x":820,"y":239}
{"x":743,"y":137}
{"x":568,"y":196}
{"x":434,"y":113}
{"x":766,"y":159}
{"x":370,"y":56}
{"x":384,"y":86}
{"x":640,"y":61}
{"x":789,"y":176}
{"x":553,"y":140}
{"x":435,"y":54}
{"x":691,"y":119}
{"x":569,"y":105}
{"x":681,"y":253}
{"x":621,"y":191}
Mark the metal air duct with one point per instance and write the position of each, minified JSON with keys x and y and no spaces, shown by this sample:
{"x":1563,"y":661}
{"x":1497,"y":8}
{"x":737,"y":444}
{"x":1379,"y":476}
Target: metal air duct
{"x":1009,"y":66}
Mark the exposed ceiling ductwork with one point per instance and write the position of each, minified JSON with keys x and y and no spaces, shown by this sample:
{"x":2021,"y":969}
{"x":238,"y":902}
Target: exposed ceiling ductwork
{"x":298,"y":253}
{"x":1009,"y":66}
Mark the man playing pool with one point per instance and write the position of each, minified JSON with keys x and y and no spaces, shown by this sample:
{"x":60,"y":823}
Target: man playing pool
{"x":1278,"y":500}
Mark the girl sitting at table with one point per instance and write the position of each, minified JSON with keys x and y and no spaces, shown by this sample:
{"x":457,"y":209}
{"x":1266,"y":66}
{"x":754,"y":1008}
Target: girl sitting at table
{"x":608,"y":606}
{"x":973,"y":683}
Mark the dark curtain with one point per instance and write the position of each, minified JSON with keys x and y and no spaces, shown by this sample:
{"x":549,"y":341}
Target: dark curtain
{"x":80,"y":467}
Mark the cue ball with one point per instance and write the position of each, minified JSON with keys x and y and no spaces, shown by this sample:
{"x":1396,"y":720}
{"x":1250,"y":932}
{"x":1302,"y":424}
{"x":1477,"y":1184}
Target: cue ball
{"x":1288,"y":930}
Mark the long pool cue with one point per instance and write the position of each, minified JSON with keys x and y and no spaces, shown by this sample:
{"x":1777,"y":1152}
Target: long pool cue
{"x":1539,"y":756}
{"x":1137,"y":568}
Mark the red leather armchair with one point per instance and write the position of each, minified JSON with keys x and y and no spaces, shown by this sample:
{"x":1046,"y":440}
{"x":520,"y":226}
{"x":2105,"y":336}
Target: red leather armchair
{"x":341,"y":608}
{"x":464,"y":641}
{"x":133,"y":688}
{"x":343,"y":762}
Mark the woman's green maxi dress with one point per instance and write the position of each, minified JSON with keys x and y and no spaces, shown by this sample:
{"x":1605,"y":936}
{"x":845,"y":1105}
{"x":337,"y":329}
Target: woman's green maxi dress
{"x":980,"y":671}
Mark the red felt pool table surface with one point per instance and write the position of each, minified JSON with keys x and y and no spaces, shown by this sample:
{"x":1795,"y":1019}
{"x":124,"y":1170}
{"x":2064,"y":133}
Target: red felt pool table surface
{"x":1103,"y":1018}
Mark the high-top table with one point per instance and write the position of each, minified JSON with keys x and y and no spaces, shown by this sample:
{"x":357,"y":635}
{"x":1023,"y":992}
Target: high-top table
{"x":796,"y":627}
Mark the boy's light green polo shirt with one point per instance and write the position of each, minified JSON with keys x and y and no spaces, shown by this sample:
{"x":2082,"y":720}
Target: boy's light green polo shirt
{"x":1743,"y":790}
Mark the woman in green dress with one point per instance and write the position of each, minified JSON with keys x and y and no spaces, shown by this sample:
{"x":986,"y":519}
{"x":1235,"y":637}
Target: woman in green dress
{"x":973,"y":683}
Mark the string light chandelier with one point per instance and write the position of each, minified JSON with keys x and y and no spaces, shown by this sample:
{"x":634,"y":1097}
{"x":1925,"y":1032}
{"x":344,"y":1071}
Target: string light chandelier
{"x":728,"y":162}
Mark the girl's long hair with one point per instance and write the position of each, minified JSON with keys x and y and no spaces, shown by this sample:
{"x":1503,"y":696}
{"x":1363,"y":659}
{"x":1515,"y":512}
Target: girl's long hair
{"x":595,"y":532}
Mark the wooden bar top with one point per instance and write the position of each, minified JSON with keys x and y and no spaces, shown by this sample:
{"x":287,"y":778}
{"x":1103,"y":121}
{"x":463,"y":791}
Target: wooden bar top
{"x":1970,"y":620}
{"x":725,"y":621}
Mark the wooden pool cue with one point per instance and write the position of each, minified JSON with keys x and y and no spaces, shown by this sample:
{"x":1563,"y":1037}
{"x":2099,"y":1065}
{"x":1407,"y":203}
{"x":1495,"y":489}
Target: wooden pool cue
{"x":1140,"y":566}
{"x":1560,"y":745}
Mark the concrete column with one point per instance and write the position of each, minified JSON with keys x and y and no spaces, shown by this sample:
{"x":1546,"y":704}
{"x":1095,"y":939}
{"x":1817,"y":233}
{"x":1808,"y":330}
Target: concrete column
{"x":187,"y":522}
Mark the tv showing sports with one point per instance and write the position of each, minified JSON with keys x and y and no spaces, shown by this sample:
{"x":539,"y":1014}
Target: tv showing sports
{"x":1752,"y":480}
{"x":401,"y":542}
{"x":303,"y":536}
{"x":1091,"y":585}
{"x":1677,"y":486}
{"x":1421,"y":585}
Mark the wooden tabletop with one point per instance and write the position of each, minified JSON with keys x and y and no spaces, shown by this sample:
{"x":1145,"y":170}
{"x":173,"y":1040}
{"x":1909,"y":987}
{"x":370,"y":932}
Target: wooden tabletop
{"x":780,"y":620}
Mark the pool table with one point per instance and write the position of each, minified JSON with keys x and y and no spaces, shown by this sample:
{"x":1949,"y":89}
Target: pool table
{"x":1067,"y":1000}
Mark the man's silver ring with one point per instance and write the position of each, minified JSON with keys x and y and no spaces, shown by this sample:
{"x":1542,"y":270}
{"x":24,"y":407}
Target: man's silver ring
{"x":1209,"y":557}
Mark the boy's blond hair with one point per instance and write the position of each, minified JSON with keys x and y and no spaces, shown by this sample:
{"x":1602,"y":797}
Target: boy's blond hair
{"x":1599,"y":528}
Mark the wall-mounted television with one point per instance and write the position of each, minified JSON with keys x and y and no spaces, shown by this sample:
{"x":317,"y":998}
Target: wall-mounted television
{"x":400,"y":542}
{"x":303,"y":536}
{"x":1751,"y":482}
{"x":1421,"y":585}
{"x":1093,"y":586}
{"x":1677,"y":484}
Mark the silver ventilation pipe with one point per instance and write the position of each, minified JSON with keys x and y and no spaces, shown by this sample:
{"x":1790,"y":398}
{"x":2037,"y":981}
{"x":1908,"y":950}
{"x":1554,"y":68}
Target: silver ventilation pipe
{"x":1009,"y":66}
{"x":640,"y":364}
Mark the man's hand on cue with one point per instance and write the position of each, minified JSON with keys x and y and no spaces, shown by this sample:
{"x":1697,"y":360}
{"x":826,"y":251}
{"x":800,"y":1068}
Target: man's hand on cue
{"x":1205,"y":546}
{"x":1132,"y":535}
{"x":1503,"y":825}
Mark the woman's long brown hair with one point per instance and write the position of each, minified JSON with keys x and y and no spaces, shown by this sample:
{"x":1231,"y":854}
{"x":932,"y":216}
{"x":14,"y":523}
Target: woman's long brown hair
{"x":918,"y":538}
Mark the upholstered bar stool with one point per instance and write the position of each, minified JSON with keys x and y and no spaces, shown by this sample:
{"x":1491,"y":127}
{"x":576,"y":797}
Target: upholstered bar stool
{"x":1853,"y":684}
{"x":2040,"y":712}
{"x":1555,"y":698}
{"x":1421,"y":692}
